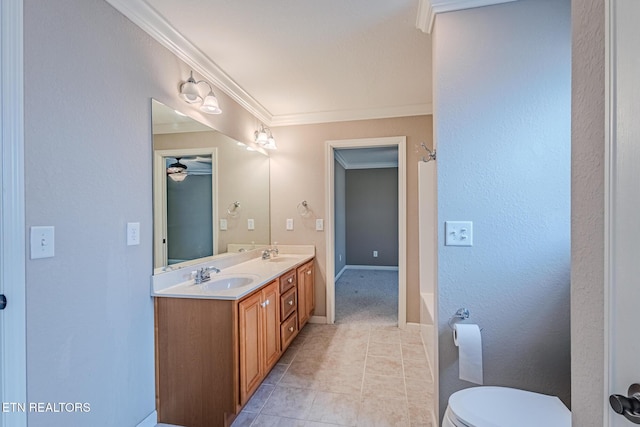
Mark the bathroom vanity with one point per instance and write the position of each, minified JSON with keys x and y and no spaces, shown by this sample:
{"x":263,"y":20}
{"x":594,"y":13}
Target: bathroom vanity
{"x":216,"y":341}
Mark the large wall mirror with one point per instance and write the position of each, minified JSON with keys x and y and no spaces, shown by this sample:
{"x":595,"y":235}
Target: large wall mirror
{"x":210,"y":192}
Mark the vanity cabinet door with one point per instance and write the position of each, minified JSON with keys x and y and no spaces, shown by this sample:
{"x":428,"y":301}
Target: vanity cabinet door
{"x":306,"y":293}
{"x":250,"y":331}
{"x":259,"y":332}
{"x":271,"y":325}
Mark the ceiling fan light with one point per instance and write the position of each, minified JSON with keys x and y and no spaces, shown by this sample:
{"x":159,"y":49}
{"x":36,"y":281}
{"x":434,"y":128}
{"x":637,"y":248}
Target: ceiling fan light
{"x":178,"y":177}
{"x":210,"y":104}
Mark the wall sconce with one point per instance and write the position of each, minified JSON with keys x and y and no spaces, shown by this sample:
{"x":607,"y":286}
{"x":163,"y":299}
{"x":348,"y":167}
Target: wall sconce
{"x":190,"y":93}
{"x":177,"y":171}
{"x":264,"y":138}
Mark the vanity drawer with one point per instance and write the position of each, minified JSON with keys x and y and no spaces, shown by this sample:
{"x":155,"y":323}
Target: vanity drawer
{"x":289,"y":330}
{"x":287,"y":281}
{"x":288,"y":303}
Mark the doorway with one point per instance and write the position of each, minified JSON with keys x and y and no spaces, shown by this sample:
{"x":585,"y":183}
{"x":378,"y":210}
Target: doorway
{"x":334,"y":148}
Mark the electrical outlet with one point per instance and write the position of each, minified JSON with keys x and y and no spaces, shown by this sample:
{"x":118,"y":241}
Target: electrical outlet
{"x":223,"y":224}
{"x":251,"y":224}
{"x":289,"y":224}
{"x":375,"y":254}
{"x":458,"y":233}
{"x":319,"y":224}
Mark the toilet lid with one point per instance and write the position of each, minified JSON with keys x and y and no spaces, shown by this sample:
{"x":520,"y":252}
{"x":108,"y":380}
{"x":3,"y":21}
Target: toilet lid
{"x":507,"y":407}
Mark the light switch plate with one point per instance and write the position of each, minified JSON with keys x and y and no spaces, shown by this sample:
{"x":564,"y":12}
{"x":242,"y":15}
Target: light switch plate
{"x":42,"y":242}
{"x":133,"y":233}
{"x":458,"y":233}
{"x":319,"y":224}
{"x":289,"y":224}
{"x":223,"y":224}
{"x":251,"y":224}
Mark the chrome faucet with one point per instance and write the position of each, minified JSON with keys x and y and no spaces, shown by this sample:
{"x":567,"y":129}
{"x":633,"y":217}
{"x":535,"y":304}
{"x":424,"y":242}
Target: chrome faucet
{"x":204,"y":274}
{"x":269,"y":253}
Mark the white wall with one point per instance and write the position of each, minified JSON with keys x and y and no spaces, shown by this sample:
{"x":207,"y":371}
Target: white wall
{"x":90,"y":75}
{"x":502,"y":125}
{"x":587,"y":207}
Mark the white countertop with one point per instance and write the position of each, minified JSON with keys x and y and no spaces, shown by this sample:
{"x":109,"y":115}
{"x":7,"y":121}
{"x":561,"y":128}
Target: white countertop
{"x":256,"y":270}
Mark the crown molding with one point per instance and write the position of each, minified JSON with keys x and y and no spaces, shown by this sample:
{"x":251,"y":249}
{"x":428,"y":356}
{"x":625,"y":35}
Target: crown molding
{"x":428,"y":9}
{"x":150,"y":21}
{"x":144,"y":16}
{"x":351,"y":115}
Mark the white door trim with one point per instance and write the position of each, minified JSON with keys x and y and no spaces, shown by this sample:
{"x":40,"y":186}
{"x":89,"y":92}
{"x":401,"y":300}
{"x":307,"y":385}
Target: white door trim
{"x":397,"y":141}
{"x":12,"y":251}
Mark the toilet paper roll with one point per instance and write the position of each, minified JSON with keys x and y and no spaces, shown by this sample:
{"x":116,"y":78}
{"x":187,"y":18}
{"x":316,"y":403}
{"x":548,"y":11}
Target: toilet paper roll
{"x":469,"y":342}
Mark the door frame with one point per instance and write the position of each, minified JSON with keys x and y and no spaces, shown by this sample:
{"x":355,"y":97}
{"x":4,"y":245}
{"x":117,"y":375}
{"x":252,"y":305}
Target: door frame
{"x":395,"y":141}
{"x":13,"y":364}
{"x":621,"y":197}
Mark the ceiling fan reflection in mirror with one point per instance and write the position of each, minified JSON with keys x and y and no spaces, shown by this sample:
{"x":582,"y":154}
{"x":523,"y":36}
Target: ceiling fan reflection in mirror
{"x":177,"y":171}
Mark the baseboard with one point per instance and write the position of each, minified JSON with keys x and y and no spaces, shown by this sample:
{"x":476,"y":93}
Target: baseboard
{"x":150,"y":421}
{"x":340,"y":273}
{"x":371,"y":267}
{"x":318,"y":319}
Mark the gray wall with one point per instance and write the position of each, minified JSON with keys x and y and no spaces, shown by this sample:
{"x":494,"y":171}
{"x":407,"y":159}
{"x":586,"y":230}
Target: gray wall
{"x":587,"y":207}
{"x":502,"y":91}
{"x":339,"y":208}
{"x":372,"y":216}
{"x":90,"y":75}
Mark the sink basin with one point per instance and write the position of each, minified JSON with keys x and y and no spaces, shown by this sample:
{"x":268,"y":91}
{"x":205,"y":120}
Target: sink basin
{"x":221,"y":283}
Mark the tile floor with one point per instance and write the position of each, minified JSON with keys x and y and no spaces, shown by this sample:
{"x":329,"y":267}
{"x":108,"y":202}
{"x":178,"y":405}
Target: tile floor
{"x":347,"y":375}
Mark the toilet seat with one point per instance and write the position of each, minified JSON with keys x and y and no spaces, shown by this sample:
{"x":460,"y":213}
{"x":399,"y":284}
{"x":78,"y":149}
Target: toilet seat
{"x":504,"y":407}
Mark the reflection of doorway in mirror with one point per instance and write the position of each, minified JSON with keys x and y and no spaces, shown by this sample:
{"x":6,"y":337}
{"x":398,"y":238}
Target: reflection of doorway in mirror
{"x":184,"y":209}
{"x":189,"y":211}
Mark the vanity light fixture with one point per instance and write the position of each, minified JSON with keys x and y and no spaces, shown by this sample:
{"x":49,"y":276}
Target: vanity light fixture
{"x":264,"y":138}
{"x":190,"y":93}
{"x":177,"y":171}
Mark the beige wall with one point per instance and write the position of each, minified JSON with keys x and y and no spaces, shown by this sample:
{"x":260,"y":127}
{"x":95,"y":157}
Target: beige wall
{"x":298,"y":173}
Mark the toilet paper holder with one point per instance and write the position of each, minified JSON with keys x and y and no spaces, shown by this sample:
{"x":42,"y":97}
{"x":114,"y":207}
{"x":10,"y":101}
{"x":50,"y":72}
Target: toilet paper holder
{"x":462,"y":313}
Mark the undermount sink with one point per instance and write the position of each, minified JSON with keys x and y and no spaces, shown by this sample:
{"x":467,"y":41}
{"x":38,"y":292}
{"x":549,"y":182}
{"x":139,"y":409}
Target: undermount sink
{"x":221,"y":283}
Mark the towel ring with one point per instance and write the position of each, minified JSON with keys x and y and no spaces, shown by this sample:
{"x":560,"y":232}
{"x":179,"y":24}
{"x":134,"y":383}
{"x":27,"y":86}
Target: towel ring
{"x":303,"y":208}
{"x":233,"y":210}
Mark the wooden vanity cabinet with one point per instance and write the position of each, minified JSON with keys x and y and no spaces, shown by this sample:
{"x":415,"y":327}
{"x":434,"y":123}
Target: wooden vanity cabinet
{"x":259,"y":329}
{"x":306,"y":293}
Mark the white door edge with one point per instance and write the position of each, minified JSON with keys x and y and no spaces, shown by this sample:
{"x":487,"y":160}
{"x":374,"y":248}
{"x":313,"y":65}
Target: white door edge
{"x":12,"y":235}
{"x":400,"y":142}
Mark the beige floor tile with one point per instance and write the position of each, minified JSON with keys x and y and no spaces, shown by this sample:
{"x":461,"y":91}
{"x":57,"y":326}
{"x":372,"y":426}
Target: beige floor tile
{"x":304,"y":380}
{"x":289,"y":402}
{"x":334,"y":408}
{"x":340,"y":381}
{"x":244,"y":419}
{"x":420,"y":415}
{"x":385,"y":349}
{"x":276,"y":374}
{"x":379,"y":386}
{"x":264,"y":420}
{"x":417,"y":369}
{"x":383,"y":366}
{"x":389,"y":412}
{"x":289,"y":354}
{"x":413,"y":351}
{"x":385,"y":334}
{"x":259,"y":398}
{"x":420,"y":392}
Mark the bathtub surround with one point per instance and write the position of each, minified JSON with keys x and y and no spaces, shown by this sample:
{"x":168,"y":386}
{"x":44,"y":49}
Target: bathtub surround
{"x":502,"y":87}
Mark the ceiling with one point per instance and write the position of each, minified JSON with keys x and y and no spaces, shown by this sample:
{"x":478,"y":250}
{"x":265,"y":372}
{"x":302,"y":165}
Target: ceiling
{"x":300,"y":61}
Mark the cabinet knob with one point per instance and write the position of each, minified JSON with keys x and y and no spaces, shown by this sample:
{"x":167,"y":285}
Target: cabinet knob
{"x":291,"y":328}
{"x":290,"y":302}
{"x":290,"y":280}
{"x":263,"y":304}
{"x":309,"y":272}
{"x":267,"y":302}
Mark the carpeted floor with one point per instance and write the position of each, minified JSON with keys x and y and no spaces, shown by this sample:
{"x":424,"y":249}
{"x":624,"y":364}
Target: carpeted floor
{"x":367,"y":296}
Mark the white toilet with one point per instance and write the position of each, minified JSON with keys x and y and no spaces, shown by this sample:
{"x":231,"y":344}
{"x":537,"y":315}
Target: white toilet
{"x":487,"y":406}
